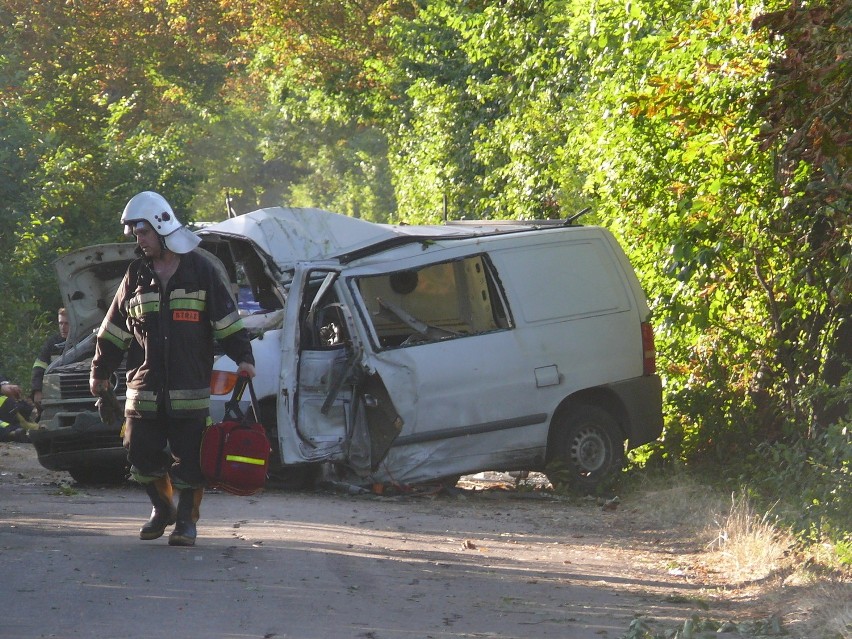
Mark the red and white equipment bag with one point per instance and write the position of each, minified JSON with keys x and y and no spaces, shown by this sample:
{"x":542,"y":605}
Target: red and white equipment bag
{"x":235,"y":452}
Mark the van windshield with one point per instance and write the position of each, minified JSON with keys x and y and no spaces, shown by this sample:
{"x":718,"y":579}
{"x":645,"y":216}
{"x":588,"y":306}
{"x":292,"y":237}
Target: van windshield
{"x":435,"y":302}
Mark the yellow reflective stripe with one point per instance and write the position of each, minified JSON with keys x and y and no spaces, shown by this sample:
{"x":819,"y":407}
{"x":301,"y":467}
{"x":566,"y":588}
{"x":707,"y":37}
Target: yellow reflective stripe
{"x":180,"y":299}
{"x":138,"y":310}
{"x":228,"y":325}
{"x":191,"y":404}
{"x":191,"y":399}
{"x":115,"y":334}
{"x":39,"y":364}
{"x":143,"y":303}
{"x":141,"y":405}
{"x":245,"y":460}
{"x":141,"y":400}
{"x":227,"y":321}
{"x":186,"y":304}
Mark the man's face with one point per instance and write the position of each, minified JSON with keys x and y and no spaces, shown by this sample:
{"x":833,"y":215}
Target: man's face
{"x":64,"y":326}
{"x":147,"y":240}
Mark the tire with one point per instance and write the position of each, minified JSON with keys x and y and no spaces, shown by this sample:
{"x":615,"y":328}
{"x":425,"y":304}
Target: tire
{"x":110,"y":476}
{"x":587,"y":450}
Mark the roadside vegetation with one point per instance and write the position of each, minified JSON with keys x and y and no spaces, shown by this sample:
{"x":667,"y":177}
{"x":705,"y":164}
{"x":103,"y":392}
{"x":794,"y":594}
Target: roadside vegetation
{"x":750,"y":552}
{"x":711,"y":136}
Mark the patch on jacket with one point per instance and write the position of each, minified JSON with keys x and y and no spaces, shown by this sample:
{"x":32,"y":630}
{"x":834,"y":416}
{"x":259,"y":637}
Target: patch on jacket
{"x":186,"y":316}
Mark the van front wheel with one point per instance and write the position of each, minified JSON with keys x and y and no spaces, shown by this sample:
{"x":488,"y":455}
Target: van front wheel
{"x":588,"y":450}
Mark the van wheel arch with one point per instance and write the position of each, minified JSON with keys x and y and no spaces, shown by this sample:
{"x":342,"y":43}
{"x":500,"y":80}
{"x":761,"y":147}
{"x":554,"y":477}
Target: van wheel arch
{"x":586,"y":447}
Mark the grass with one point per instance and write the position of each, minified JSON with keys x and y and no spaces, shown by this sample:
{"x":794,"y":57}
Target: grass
{"x":746,"y":547}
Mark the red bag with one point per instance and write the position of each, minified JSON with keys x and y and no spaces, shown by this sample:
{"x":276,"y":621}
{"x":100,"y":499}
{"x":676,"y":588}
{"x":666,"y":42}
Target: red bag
{"x":235,"y":452}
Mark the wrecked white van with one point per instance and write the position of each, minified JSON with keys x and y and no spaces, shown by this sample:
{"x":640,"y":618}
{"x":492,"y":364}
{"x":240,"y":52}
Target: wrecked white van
{"x":408,"y":354}
{"x":401,"y":354}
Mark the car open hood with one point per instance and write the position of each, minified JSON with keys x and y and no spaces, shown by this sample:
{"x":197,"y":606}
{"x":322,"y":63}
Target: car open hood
{"x":88,"y":279}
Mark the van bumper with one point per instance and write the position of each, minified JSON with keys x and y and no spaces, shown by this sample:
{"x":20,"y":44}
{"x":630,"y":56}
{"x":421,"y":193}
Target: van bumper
{"x":642,"y":398}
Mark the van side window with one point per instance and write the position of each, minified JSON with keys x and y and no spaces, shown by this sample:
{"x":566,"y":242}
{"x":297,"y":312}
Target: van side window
{"x":435,"y":302}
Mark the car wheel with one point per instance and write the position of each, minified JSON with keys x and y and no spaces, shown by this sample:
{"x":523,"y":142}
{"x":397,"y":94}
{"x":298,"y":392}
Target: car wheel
{"x":100,"y":476}
{"x":588,"y":450}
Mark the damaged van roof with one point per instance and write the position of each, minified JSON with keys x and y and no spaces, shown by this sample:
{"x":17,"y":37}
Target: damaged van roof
{"x":290,"y":235}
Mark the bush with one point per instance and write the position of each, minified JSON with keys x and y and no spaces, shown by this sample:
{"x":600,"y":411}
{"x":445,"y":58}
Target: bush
{"x":811,"y":479}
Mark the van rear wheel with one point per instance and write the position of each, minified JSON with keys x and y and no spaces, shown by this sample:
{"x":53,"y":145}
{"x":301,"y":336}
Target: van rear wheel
{"x":587,"y":450}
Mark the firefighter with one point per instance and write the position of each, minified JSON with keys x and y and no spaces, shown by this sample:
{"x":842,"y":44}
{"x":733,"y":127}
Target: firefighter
{"x":168,"y":310}
{"x":52,"y":347}
{"x":14,"y":413}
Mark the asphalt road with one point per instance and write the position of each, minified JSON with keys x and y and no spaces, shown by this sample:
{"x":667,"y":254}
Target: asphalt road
{"x":318,"y":565}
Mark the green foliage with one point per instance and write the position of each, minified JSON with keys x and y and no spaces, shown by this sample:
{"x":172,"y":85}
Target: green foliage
{"x":478,"y":128}
{"x":811,"y":479}
{"x":671,"y":148}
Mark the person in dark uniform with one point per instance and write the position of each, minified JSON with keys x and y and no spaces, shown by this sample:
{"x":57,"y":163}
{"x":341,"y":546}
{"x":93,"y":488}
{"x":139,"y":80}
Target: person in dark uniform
{"x":169,"y":308}
{"x":51,"y":348}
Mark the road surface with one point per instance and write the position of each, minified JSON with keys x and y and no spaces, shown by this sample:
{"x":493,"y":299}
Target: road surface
{"x":490,"y":561}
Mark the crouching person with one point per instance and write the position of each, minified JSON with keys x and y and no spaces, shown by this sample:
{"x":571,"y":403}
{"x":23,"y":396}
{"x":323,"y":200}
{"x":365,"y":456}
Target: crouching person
{"x":169,"y":308}
{"x":15,"y":414}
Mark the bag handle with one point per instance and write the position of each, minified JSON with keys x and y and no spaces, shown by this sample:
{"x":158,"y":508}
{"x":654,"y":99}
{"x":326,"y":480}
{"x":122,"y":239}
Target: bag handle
{"x":232,"y":406}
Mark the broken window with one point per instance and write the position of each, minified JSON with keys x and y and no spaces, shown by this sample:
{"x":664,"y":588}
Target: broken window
{"x":435,"y":302}
{"x":322,"y":318}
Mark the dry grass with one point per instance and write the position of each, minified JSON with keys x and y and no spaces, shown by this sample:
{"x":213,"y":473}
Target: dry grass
{"x":758,"y":558}
{"x":748,"y":546}
{"x":679,"y":503}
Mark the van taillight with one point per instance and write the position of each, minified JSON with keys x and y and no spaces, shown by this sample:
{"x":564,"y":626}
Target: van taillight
{"x":649,"y":353}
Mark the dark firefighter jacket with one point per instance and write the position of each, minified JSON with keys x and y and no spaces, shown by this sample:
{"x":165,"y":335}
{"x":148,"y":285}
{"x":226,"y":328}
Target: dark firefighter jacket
{"x":52,"y":347}
{"x":168,"y":336}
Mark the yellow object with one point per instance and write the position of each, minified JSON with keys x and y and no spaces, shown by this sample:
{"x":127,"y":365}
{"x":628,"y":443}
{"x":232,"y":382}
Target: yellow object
{"x":27,"y":425}
{"x":245,"y":460}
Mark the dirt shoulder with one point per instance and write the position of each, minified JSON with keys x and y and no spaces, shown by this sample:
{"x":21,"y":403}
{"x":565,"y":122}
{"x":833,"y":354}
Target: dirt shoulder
{"x":630,"y":567}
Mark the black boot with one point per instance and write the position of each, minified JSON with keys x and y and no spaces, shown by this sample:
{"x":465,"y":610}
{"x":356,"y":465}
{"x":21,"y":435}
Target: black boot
{"x":187,"y":515}
{"x":164,"y":512}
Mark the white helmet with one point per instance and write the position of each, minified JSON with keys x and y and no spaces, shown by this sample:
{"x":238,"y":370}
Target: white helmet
{"x":153,"y":208}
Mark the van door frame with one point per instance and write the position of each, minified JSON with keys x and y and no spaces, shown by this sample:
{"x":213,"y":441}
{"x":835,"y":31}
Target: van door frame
{"x":356,"y":404}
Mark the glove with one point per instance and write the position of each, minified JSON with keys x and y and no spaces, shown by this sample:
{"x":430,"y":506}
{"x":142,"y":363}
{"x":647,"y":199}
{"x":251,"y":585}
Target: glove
{"x":108,"y":408}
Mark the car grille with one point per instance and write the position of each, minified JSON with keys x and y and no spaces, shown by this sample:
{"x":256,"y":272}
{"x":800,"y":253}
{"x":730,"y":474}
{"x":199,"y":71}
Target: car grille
{"x":75,"y":384}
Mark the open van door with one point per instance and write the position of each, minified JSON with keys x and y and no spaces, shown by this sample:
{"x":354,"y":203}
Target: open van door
{"x":332,"y":409}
